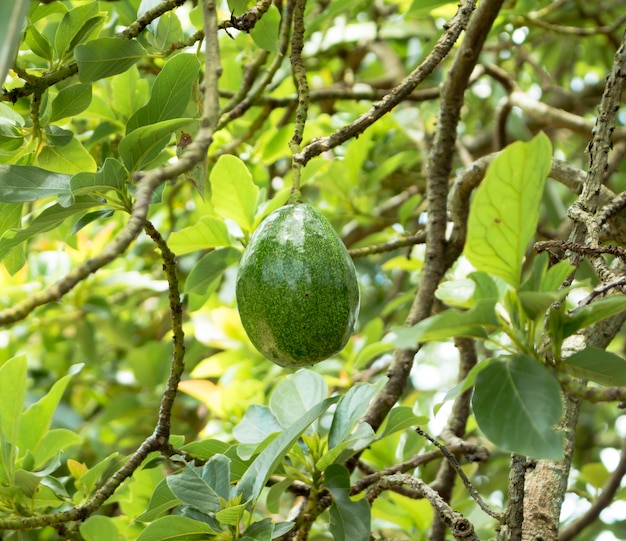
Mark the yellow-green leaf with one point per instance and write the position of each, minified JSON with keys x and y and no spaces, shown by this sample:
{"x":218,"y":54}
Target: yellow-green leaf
{"x":505,"y":210}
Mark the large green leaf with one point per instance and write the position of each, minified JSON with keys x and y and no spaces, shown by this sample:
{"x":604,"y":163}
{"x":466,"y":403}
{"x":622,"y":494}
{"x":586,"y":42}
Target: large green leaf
{"x":12,"y":19}
{"x":505,"y":210}
{"x":517,"y":402}
{"x":349,"y":519}
{"x":233,"y":193}
{"x":144,"y":144}
{"x":170,"y":94}
{"x":255,"y":477}
{"x":177,"y":528}
{"x":104,"y":57}
{"x":22,"y":183}
{"x":473,"y":323}
{"x":597,"y":365}
{"x":111,"y":176}
{"x":207,"y":232}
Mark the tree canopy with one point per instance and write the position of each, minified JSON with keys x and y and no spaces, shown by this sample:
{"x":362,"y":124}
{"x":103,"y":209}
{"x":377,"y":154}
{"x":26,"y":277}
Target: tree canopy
{"x":470,"y":157}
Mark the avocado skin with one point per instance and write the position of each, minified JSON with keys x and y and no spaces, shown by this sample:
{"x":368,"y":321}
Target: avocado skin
{"x":297,"y":290}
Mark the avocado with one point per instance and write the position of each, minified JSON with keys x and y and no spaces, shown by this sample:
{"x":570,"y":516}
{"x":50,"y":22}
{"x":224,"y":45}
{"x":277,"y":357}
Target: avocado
{"x":296,"y":289}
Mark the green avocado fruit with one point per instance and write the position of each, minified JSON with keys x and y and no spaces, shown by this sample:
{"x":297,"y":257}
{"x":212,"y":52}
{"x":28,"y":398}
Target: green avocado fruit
{"x":297,"y":290}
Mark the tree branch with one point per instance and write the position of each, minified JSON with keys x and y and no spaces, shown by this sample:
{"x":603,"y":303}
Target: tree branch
{"x":398,"y":94}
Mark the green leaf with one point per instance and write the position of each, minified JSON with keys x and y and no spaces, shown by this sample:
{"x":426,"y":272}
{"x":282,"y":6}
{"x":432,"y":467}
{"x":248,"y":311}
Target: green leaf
{"x":54,"y":441}
{"x":11,"y":138}
{"x":207,"y":232}
{"x":593,"y":313}
{"x":161,"y":500}
{"x":10,"y":218}
{"x":70,"y":101}
{"x":38,"y":42}
{"x":50,"y":218}
{"x":189,"y":487}
{"x":473,"y":323}
{"x":104,"y":57}
{"x":265,"y":32}
{"x":255,"y":477}
{"x":111,"y":176}
{"x":177,"y":528}
{"x":12,"y":19}
{"x":38,"y":416}
{"x":505,"y":210}
{"x":210,"y":267}
{"x":13,"y":375}
{"x":22,"y":183}
{"x":233,"y":193}
{"x":99,"y":528}
{"x":57,"y":136}
{"x":144,"y":144}
{"x":232,"y":515}
{"x":401,"y":418}
{"x":349,"y":519}
{"x":372,"y":351}
{"x":296,"y":394}
{"x":536,"y":303}
{"x":171,"y":92}
{"x":257,"y":423}
{"x":70,"y":158}
{"x":216,"y":473}
{"x":597,"y":365}
{"x":75,"y":26}
{"x":517,"y":403}
{"x":350,"y":408}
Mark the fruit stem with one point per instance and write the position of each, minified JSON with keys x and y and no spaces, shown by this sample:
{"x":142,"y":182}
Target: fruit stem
{"x":302,"y":86}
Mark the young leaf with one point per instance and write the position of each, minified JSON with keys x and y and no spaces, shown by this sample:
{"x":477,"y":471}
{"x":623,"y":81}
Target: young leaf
{"x":349,"y":520}
{"x":517,"y":402}
{"x":233,"y":193}
{"x":144,"y":144}
{"x":99,"y":528}
{"x":209,"y":268}
{"x":473,"y":323}
{"x":22,"y":183}
{"x":505,"y":210}
{"x":401,"y":418}
{"x":104,"y":57}
{"x":207,"y":232}
{"x":255,"y":477}
{"x":170,"y":94}
{"x":597,"y":365}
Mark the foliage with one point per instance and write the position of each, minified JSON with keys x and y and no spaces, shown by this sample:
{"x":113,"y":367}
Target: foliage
{"x":141,"y":145}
